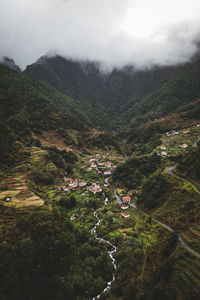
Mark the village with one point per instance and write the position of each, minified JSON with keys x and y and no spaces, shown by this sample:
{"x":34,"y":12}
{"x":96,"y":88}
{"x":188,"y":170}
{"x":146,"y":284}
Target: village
{"x":175,"y":141}
{"x":100,"y":167}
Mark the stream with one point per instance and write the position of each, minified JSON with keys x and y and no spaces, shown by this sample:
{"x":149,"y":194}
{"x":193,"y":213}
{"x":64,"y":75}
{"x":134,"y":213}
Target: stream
{"x":111,"y":252}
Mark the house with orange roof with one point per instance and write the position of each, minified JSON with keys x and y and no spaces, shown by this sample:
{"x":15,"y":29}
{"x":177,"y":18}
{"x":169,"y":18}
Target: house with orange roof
{"x":163,"y":148}
{"x":186,"y":131}
{"x":73,"y":184}
{"x":126,"y":199}
{"x":63,"y":188}
{"x":163,"y":153}
{"x":125,"y":215}
{"x":184,"y":146}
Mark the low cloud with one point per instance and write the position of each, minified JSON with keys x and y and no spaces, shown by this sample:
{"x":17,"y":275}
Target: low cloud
{"x":115,"y":32}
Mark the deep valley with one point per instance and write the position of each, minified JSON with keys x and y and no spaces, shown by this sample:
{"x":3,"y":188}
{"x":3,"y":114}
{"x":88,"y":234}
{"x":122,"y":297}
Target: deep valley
{"x":99,"y":182}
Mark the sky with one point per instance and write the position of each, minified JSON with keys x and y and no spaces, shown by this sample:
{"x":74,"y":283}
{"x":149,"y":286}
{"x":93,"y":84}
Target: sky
{"x":114,"y":32}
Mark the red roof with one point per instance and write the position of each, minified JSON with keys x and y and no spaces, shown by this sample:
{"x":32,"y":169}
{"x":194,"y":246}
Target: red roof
{"x":126,"y":215}
{"x":126,"y":198}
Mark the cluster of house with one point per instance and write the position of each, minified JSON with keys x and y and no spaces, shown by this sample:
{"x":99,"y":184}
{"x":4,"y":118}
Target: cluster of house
{"x":72,"y":183}
{"x":98,"y":164}
{"x":171,"y":133}
{"x":163,"y":153}
{"x":95,"y":188}
{"x":126,"y":200}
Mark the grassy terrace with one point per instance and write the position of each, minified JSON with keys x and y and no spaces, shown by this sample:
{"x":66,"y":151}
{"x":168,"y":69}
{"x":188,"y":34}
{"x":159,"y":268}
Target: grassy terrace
{"x":172,"y":143}
{"x":15,"y":182}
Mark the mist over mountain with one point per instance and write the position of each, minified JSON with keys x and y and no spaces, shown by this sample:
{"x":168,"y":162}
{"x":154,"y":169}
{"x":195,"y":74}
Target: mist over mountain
{"x":121,"y":94}
{"x":10,"y":63}
{"x":115,"y":32}
{"x":86,"y":81}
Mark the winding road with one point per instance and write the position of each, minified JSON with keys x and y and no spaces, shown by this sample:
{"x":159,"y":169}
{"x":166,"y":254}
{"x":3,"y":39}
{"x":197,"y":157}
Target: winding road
{"x":195,"y":143}
{"x":171,"y":172}
{"x":181,"y":241}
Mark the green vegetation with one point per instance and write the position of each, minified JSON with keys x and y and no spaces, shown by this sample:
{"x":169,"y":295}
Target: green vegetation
{"x":50,"y":258}
{"x":47,"y":249}
{"x":132,"y":172}
{"x":189,"y":165}
{"x":153,"y":191}
{"x":27,"y":105}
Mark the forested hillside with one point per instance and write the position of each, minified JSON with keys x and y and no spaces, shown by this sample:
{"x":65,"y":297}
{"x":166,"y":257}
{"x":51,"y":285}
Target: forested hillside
{"x":104,"y":95}
{"x":28,"y":105}
{"x":123,"y":95}
{"x":99,"y":182}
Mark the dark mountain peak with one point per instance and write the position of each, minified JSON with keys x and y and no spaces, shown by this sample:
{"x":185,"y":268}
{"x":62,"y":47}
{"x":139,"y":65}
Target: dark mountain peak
{"x":77,"y":79}
{"x":10,"y":63}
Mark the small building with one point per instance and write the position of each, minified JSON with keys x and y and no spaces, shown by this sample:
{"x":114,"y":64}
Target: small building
{"x":124,"y":207}
{"x":126,"y":199}
{"x":184,"y":146}
{"x":168,"y":134}
{"x":125,"y":215}
{"x":108,"y":164}
{"x":89,"y":169}
{"x":163,"y":148}
{"x":186,"y":131}
{"x":107,"y":173}
{"x":163,"y":153}
{"x":93,"y":165}
{"x":73,"y":184}
{"x":82,"y":183}
{"x":92,"y":160}
{"x":113,"y":167}
{"x":7,"y":199}
{"x":198,"y":125}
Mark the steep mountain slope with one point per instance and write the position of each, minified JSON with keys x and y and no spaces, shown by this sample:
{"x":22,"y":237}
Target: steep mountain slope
{"x":26,"y":105}
{"x":108,"y":94}
{"x":125,"y":94}
{"x":182,"y":87}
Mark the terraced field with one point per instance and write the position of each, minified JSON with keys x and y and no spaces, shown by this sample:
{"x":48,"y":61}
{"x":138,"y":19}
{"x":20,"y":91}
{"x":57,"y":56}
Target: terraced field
{"x":15,"y":184}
